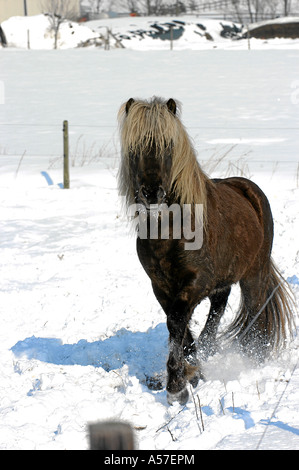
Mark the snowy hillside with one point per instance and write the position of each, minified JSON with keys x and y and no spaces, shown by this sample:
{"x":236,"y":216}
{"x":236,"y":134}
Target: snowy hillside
{"x":37,"y":31}
{"x":80,"y":329}
{"x":140,"y":33}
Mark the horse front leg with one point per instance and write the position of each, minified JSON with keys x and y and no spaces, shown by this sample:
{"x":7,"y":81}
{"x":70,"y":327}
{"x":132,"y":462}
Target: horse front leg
{"x":182,"y":364}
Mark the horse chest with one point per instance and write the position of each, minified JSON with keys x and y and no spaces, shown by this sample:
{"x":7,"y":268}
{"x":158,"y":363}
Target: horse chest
{"x":160,"y":262}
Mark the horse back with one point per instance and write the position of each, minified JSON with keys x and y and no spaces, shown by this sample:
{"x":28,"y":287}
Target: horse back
{"x":250,"y":192}
{"x":240,"y":225}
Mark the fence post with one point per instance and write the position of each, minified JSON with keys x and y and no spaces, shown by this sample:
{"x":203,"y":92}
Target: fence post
{"x":28,"y":39}
{"x":111,"y":435}
{"x":248,"y":37}
{"x":171,"y":38}
{"x":66,"y":166}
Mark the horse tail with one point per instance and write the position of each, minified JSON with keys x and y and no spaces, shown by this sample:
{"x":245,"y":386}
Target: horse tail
{"x":266,"y":320}
{"x":279,"y":308}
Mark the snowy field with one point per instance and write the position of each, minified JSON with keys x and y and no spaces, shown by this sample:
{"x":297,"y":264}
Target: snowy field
{"x":140,"y":33}
{"x":80,"y":328}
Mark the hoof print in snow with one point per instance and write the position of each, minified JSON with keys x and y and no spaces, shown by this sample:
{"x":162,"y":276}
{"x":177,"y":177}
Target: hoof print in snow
{"x":154,"y":383}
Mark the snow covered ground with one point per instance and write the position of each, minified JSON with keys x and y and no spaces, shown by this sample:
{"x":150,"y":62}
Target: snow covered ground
{"x":36,"y":30}
{"x":139,"y":33}
{"x":80,"y":329}
{"x":197,"y":33}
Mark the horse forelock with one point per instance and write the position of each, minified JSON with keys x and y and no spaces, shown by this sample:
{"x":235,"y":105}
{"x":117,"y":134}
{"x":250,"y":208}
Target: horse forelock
{"x":148,"y":125}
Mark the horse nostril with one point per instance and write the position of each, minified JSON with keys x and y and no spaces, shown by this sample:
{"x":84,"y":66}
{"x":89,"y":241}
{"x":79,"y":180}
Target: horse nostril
{"x":145,"y":192}
{"x":152,"y":195}
{"x":161,"y":193}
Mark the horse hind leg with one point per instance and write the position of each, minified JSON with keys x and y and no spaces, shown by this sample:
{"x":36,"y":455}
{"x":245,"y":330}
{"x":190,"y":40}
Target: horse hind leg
{"x":207,"y":340}
{"x":265,"y":315}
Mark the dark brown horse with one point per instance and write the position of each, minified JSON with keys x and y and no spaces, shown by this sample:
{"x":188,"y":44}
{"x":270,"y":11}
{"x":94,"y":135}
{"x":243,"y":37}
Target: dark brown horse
{"x":159,"y":170}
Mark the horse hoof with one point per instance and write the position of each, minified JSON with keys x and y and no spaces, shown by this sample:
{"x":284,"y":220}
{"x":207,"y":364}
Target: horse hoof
{"x":194,"y":381}
{"x":196,"y":378}
{"x":181,"y":397}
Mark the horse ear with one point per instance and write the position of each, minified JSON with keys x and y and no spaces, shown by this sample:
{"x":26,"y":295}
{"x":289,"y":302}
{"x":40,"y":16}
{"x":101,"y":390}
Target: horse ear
{"x":129,"y":104}
{"x":171,"y":105}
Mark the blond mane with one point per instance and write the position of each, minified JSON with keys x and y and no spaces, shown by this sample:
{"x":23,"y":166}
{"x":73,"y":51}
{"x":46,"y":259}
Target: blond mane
{"x":149,"y":122}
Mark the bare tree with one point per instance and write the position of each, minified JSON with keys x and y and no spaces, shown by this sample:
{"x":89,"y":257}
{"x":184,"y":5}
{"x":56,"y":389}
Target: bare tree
{"x":242,"y":10}
{"x":58,"y":12}
{"x":148,"y":7}
{"x":192,"y":4}
{"x":273,"y":8}
{"x":250,"y":11}
{"x":237,"y":7}
{"x":287,"y":7}
{"x":257,"y":10}
{"x":132,"y":5}
{"x":95,"y":5}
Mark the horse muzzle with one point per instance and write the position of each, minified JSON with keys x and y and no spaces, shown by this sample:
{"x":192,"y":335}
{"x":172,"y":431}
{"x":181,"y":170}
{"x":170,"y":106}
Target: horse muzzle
{"x":149,"y":196}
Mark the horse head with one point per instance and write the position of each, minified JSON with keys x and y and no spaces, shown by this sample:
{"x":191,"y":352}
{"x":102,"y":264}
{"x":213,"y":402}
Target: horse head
{"x":158,"y":163}
{"x":150,"y":164}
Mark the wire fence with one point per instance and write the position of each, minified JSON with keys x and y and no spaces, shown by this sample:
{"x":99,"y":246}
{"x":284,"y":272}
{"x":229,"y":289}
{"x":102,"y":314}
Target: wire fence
{"x":189,"y":127}
{"x":90,"y":142}
{"x":223,"y":152}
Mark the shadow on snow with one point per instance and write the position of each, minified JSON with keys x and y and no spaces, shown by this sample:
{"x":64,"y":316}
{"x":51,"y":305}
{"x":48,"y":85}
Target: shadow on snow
{"x":144,"y":353}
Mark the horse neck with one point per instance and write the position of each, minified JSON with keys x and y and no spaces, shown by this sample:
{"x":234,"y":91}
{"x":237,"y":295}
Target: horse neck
{"x":188,"y":179}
